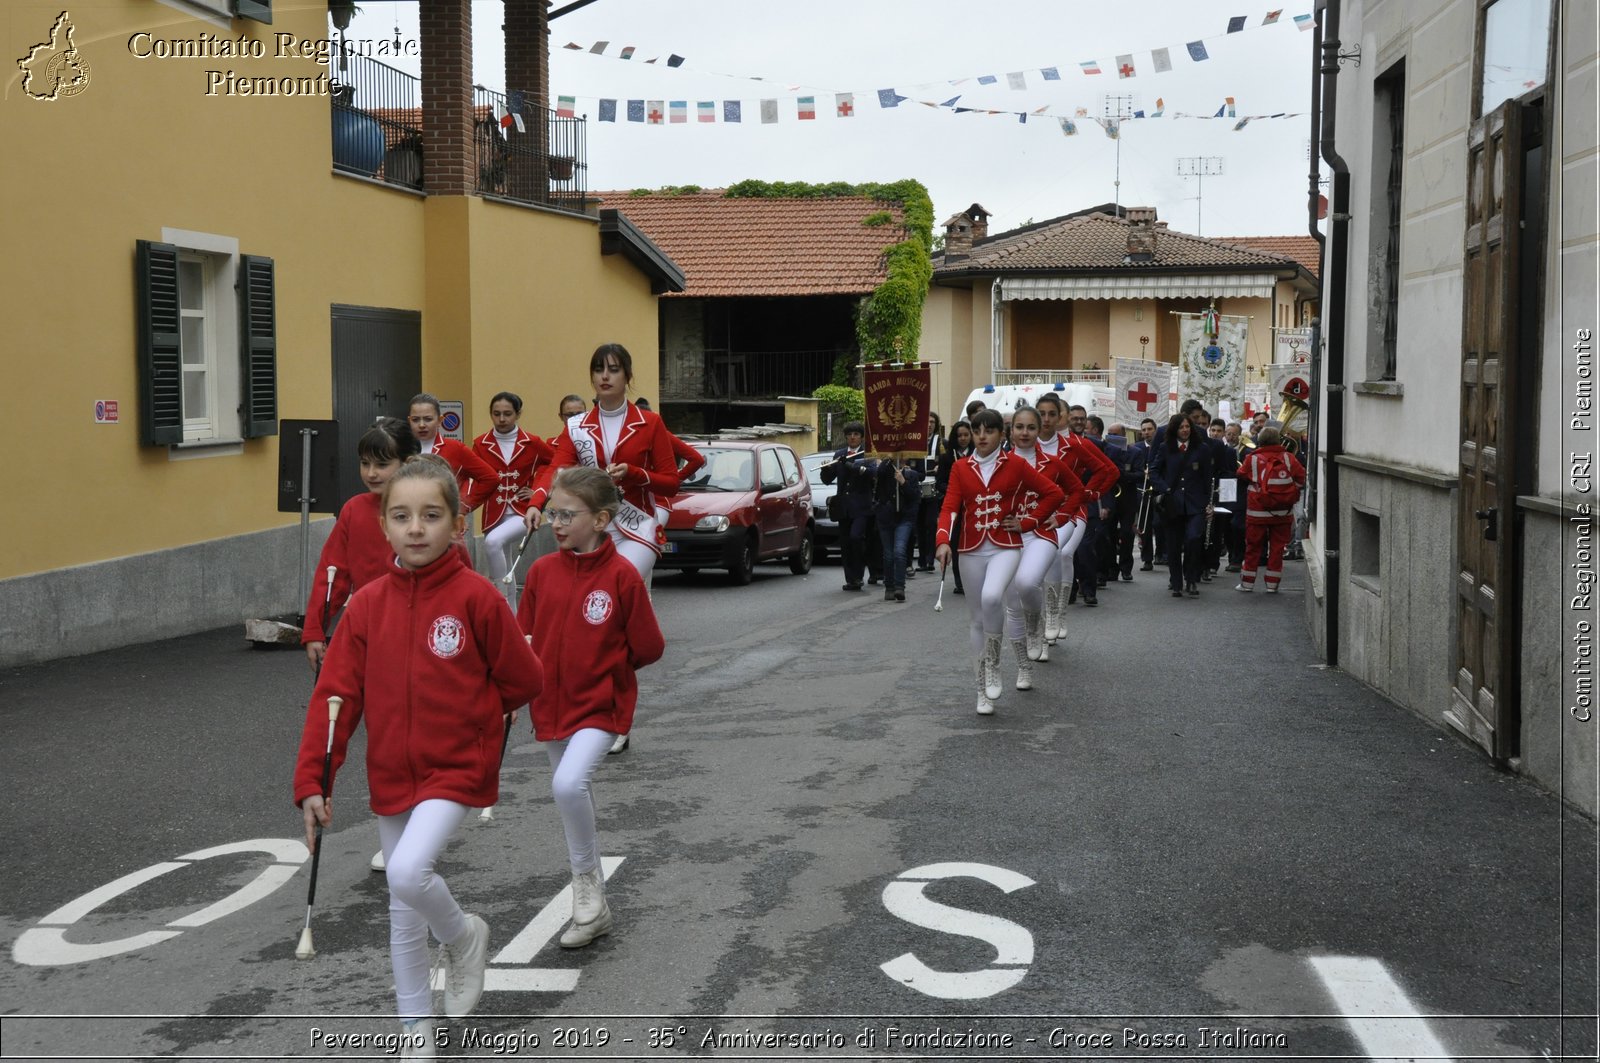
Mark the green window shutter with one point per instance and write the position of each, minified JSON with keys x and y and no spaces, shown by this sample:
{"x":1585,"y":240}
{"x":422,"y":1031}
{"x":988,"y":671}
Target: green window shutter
{"x":260,"y":10}
{"x":160,"y":361}
{"x":258,"y":347}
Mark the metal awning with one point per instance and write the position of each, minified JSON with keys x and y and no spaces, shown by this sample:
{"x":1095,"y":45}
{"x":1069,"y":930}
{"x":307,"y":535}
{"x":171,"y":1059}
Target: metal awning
{"x":1170,"y":286}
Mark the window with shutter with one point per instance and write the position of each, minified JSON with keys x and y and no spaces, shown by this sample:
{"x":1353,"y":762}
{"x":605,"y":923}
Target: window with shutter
{"x":160,"y":354}
{"x":258,"y":342}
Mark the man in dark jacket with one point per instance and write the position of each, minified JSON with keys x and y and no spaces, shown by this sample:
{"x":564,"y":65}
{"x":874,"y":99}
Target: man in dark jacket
{"x":1130,"y":468}
{"x":854,"y":473}
{"x":897,"y":499}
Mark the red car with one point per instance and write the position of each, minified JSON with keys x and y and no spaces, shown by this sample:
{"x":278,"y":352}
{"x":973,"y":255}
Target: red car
{"x":749,"y":503}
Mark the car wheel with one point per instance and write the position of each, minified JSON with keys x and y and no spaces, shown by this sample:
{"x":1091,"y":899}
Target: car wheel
{"x":742,"y":569}
{"x":800,"y":560}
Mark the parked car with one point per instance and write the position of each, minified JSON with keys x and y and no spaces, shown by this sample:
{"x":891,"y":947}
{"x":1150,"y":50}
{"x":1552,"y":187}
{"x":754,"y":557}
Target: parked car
{"x":749,"y":503}
{"x":827,"y":529}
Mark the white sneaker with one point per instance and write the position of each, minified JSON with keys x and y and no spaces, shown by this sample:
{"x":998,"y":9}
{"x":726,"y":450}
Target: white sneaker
{"x":1272,"y":588}
{"x":591,"y":915}
{"x":464,"y":961}
{"x":619,"y":745}
{"x":991,"y":666}
{"x":417,"y":1040}
{"x":377,"y":863}
{"x":1245,"y":587}
{"x":1024,"y":666}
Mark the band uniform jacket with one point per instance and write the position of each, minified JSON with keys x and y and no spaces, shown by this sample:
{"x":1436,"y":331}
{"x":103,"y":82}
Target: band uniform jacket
{"x":513,"y":474}
{"x":1072,"y":489}
{"x":432,"y":660}
{"x":980,"y":508}
{"x":1184,"y":476}
{"x":1098,"y":472}
{"x":475,"y":477}
{"x":855,"y":473}
{"x":643,"y":444}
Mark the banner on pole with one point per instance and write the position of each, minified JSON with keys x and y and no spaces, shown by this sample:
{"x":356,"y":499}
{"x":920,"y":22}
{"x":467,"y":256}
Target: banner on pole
{"x":1142,"y":388}
{"x":1291,"y":345}
{"x":1289,"y":378}
{"x":1212,"y":359}
{"x":898,"y":404}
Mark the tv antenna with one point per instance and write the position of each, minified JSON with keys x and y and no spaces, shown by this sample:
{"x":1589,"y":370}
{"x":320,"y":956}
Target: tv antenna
{"x":1117,"y":109}
{"x":1200,"y":167}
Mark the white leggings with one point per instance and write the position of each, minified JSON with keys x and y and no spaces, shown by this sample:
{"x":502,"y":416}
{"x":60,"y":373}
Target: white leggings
{"x":573,"y":761}
{"x":986,"y":573}
{"x":1026,"y":593}
{"x":419,"y":900}
{"x":1069,"y":535}
{"x":638,"y":554}
{"x":500,"y":543}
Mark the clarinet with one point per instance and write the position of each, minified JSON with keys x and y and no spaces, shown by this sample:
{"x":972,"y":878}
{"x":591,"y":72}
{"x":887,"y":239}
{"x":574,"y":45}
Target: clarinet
{"x":1211,"y":513}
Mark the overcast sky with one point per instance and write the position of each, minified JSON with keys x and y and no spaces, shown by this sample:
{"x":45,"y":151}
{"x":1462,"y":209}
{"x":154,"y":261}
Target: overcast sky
{"x":1018,"y":171}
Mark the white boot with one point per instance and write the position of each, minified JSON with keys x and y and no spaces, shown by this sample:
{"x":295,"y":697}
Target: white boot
{"x":1052,"y":613}
{"x":376,"y":863}
{"x":991,"y":666}
{"x":1024,"y":666}
{"x":591,"y":915}
{"x":1033,"y":626}
{"x":981,"y":667}
{"x":464,"y":962}
{"x":417,"y":1040}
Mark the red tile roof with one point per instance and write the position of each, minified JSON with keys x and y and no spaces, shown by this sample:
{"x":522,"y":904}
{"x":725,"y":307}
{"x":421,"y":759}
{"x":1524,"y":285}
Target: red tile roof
{"x":1302,"y":249}
{"x":1094,"y":242}
{"x":765,"y":247}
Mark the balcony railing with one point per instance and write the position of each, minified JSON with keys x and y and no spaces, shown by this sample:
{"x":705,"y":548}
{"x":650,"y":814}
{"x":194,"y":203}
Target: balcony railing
{"x":377,"y":122}
{"x":1050,"y":376}
{"x":731,"y":376}
{"x":541,"y":160}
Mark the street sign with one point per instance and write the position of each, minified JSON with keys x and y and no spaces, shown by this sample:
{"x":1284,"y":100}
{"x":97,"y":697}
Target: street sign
{"x":452,"y":419}
{"x":105,"y":411}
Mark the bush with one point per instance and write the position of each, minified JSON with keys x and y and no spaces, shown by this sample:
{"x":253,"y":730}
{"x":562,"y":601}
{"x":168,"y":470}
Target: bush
{"x":846,"y":404}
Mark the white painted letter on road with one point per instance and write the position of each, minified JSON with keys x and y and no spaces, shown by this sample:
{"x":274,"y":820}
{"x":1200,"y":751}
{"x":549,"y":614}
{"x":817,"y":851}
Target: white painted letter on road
{"x":1013,"y":944}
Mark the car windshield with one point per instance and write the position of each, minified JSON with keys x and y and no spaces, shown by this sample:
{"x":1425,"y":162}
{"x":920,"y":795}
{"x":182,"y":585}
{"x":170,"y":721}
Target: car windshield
{"x":724,"y":470}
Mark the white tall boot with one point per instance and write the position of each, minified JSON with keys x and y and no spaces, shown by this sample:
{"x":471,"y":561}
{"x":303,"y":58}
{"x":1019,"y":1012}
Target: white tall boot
{"x":981,"y":667}
{"x":1024,"y":666}
{"x":591,"y":915}
{"x":991,"y":666}
{"x":1033,"y":627}
{"x":1052,"y":613}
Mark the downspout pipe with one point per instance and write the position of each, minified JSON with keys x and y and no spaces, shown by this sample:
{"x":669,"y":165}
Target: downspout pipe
{"x":1335,"y":296}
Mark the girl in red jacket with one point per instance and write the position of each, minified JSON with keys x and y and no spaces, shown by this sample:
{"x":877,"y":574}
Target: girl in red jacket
{"x":514,"y":455}
{"x":357,"y":552}
{"x":475,"y":480}
{"x":1099,"y":475}
{"x":590,"y":619}
{"x":987,"y":494}
{"x":431,"y":657}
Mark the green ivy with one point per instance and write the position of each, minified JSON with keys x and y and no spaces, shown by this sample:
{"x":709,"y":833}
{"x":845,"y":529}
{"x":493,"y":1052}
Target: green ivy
{"x":845,"y":403}
{"x":889,"y":321}
{"x":667,"y":190}
{"x":873,"y":221}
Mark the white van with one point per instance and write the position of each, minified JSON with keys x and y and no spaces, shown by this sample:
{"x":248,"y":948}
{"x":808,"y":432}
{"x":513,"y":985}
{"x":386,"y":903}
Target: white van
{"x":1007,"y":397}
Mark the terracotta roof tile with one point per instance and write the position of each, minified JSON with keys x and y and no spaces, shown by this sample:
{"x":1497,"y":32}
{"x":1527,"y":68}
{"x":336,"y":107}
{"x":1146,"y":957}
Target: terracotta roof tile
{"x":765,"y":247}
{"x":1096,"y":242}
{"x":1302,"y":249}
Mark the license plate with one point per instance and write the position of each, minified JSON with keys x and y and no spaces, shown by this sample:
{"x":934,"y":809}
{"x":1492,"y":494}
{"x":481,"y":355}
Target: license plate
{"x":669,"y":548}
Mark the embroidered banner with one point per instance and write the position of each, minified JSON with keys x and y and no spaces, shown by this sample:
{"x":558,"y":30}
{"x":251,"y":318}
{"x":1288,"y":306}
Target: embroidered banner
{"x":1144,"y":387}
{"x":1212,"y":363}
{"x":898,"y":404}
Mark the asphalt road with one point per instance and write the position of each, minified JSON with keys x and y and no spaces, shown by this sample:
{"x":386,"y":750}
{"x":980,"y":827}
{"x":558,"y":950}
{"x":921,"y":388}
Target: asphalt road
{"x":820,"y":851}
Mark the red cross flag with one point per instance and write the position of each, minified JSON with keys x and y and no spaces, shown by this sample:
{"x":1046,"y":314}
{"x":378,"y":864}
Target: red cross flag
{"x":845,"y":104}
{"x":1141,"y":387}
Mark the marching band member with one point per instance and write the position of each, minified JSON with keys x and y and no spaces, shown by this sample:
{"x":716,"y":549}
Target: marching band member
{"x":1098,"y":474}
{"x":1181,"y":474}
{"x":856,"y":474}
{"x":1040,"y":548}
{"x":475,"y":479}
{"x":981,"y":518}
{"x":513,"y":454}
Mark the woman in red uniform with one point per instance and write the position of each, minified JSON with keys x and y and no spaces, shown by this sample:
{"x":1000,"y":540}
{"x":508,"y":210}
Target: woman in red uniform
{"x":987,"y":495}
{"x":1040,"y":548}
{"x":514,"y":455}
{"x":474,"y":477}
{"x":1099,"y":474}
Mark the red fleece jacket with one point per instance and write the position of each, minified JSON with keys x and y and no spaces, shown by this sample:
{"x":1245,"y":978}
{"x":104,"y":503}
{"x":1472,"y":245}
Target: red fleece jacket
{"x":432,"y":660}
{"x":593,"y":627}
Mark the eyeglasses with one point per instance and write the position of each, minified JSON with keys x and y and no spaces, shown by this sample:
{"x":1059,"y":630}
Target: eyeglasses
{"x":563,"y":517}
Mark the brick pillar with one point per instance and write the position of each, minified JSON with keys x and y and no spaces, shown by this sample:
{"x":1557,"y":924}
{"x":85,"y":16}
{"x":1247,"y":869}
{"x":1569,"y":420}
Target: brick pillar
{"x":527,"y":39}
{"x":448,"y":157}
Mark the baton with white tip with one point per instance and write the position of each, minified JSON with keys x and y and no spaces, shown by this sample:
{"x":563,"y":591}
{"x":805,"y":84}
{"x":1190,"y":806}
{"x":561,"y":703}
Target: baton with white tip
{"x":305,"y":950}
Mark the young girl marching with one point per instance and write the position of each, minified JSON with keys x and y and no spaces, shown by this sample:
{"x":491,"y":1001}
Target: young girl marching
{"x":634,"y":448}
{"x":431,"y":657}
{"x":1040,"y":547}
{"x":356,"y":551}
{"x":514,"y":455}
{"x":1098,"y":474}
{"x":586,"y":609}
{"x":475,"y":478}
{"x":985,"y":494}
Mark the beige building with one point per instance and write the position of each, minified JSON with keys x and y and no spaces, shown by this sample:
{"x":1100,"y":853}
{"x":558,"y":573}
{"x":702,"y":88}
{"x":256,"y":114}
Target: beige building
{"x":1452,"y":547}
{"x":1062,"y":298}
{"x":206,"y":244}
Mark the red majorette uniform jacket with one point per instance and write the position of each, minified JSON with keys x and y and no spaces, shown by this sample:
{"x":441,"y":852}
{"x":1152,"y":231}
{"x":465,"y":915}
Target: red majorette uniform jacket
{"x":475,"y":477}
{"x":644,"y":445}
{"x":512,"y":475}
{"x":982,"y":508}
{"x":432,"y":660}
{"x":1062,"y":477}
{"x":1098,"y":472}
{"x":359,"y":553}
{"x":593,"y":626}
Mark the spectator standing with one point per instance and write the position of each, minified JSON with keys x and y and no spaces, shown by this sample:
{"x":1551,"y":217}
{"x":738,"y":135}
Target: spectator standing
{"x":1275,"y":480}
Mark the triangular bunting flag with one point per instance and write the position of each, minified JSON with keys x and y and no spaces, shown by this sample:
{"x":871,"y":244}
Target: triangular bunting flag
{"x":844,"y":104}
{"x":1125,"y":66}
{"x":1197,"y":51}
{"x":951,"y":102}
{"x":573,"y":45}
{"x":608,"y":110}
{"x":731,"y":111}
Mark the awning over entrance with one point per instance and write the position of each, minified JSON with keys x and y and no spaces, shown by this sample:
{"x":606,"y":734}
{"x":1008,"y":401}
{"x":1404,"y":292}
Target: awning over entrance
{"x":1174,"y":286}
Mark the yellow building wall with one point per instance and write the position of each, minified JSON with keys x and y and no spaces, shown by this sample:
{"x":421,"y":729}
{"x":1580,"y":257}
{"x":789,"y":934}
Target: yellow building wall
{"x":508,"y":295}
{"x":1091,"y":334}
{"x":1130,"y":319}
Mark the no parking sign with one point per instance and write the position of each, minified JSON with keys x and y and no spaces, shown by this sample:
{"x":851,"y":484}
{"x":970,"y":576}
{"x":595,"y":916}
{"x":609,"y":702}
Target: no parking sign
{"x":452,"y":419}
{"x":105,"y":411}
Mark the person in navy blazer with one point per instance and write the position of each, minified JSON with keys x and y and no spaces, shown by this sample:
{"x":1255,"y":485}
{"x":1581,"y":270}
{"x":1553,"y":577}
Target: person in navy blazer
{"x":1182,"y":475}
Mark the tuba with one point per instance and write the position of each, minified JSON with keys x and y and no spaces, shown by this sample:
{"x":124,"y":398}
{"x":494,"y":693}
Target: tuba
{"x":1296,"y":414}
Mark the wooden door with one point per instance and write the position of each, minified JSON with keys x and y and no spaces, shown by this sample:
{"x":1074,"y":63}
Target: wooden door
{"x":1483,"y":700}
{"x":377,"y":367}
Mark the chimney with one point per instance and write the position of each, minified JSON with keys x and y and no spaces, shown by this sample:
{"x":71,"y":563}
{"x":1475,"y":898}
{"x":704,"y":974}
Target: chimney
{"x":957,"y":237}
{"x":1141,"y":234}
{"x":980,"y":221}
